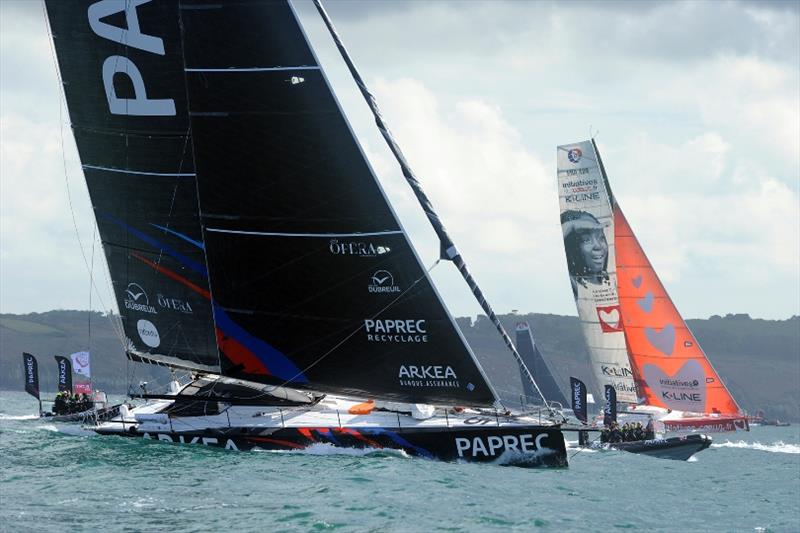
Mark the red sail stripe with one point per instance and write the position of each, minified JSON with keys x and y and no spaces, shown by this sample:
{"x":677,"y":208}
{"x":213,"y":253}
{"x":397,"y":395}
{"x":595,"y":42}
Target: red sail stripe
{"x":173,"y":275}
{"x":240,"y":355}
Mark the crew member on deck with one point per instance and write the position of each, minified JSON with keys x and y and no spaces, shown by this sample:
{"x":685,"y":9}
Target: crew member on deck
{"x":650,"y":432}
{"x":59,"y":404}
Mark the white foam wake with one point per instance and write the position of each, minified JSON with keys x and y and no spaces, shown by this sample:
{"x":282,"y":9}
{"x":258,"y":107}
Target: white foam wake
{"x":776,"y":447}
{"x":4,"y":416}
{"x":324,"y":448}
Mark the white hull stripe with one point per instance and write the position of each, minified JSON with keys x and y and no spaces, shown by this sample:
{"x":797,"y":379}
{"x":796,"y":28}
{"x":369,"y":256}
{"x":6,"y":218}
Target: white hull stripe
{"x":139,"y":172}
{"x":252,"y":69}
{"x":321,"y":235}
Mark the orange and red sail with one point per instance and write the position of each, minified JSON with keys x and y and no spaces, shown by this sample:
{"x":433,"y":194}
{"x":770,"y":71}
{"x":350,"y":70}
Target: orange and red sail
{"x":670,"y":368}
{"x":626,"y":315}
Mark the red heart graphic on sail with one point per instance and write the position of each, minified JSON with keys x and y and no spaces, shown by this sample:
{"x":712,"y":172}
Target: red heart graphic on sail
{"x":609,"y":318}
{"x":683,"y":391}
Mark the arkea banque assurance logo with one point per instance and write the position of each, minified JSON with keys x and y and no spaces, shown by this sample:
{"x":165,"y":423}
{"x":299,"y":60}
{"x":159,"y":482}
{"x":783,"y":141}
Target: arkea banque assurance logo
{"x":382,"y":282}
{"x":136,"y":299}
{"x":427,"y":376}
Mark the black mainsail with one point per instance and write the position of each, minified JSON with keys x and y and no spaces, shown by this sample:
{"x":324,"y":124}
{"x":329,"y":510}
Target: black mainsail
{"x":309,"y":266}
{"x":121,"y":66}
{"x":220,"y":163}
{"x":534,"y":360}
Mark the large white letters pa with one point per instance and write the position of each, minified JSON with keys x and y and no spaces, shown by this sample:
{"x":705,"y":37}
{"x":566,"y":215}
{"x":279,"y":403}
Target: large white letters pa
{"x":133,"y":37}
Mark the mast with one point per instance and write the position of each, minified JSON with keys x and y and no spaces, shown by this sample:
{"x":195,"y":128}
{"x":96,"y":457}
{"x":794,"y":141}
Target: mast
{"x":448,"y":250}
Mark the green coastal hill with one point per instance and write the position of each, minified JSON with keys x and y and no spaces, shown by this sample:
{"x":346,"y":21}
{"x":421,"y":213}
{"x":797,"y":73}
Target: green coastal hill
{"x":758,"y":359}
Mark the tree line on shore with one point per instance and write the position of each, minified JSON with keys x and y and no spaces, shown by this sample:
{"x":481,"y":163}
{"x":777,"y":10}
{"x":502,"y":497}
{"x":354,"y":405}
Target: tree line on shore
{"x":758,"y":359}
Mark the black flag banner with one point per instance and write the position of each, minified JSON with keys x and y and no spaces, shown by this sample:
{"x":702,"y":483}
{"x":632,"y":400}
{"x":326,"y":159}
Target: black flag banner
{"x":578,"y":394}
{"x":610,"y":408}
{"x":31,"y":368}
{"x":64,"y":374}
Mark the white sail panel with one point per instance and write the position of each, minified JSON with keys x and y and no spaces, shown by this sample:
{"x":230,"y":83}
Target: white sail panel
{"x":588,"y":226}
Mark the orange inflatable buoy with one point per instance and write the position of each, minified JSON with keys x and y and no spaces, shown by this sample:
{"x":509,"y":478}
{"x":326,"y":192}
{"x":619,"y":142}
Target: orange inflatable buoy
{"x":362,"y":408}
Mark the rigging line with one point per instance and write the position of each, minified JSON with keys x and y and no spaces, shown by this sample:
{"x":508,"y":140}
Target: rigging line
{"x":62,"y":102}
{"x":448,"y":248}
{"x":91,"y":281}
{"x":175,"y":189}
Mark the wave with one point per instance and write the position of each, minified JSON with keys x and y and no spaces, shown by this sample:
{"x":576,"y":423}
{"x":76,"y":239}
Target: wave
{"x":776,"y":447}
{"x":4,"y":416}
{"x":324,"y":448}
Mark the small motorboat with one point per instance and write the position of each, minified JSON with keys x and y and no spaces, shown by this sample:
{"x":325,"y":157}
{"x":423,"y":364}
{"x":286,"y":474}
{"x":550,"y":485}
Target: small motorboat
{"x":678,"y":448}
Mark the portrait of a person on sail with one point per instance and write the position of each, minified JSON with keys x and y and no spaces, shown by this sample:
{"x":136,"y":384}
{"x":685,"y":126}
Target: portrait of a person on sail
{"x":587,"y":248}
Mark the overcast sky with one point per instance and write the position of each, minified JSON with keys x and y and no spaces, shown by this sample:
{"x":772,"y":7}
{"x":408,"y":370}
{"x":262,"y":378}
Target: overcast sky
{"x":695,"y":105}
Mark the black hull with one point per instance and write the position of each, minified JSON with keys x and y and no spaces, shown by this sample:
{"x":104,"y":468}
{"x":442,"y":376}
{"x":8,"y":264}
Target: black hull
{"x":528,"y":446}
{"x":676,"y":448}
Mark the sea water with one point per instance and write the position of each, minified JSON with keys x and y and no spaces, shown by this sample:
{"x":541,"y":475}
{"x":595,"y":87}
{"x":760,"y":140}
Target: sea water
{"x":58,"y":477}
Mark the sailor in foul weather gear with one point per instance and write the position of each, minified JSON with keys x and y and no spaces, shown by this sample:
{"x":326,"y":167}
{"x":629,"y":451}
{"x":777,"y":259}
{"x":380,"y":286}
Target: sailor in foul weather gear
{"x":649,"y":432}
{"x":60,"y":404}
{"x":616,"y":434}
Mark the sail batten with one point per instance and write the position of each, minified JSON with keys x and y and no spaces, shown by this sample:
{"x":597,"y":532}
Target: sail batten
{"x":252,"y":69}
{"x":140,"y":172}
{"x":311,"y":235}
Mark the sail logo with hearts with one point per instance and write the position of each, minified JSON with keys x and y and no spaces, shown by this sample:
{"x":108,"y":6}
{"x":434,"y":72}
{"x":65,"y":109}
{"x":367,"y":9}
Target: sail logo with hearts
{"x":646,"y":303}
{"x":683,"y":391}
{"x":610,"y":318}
{"x":664,"y":340}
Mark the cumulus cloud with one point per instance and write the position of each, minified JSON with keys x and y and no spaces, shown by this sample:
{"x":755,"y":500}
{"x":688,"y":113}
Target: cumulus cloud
{"x":697,"y":209}
{"x":696,"y":105}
